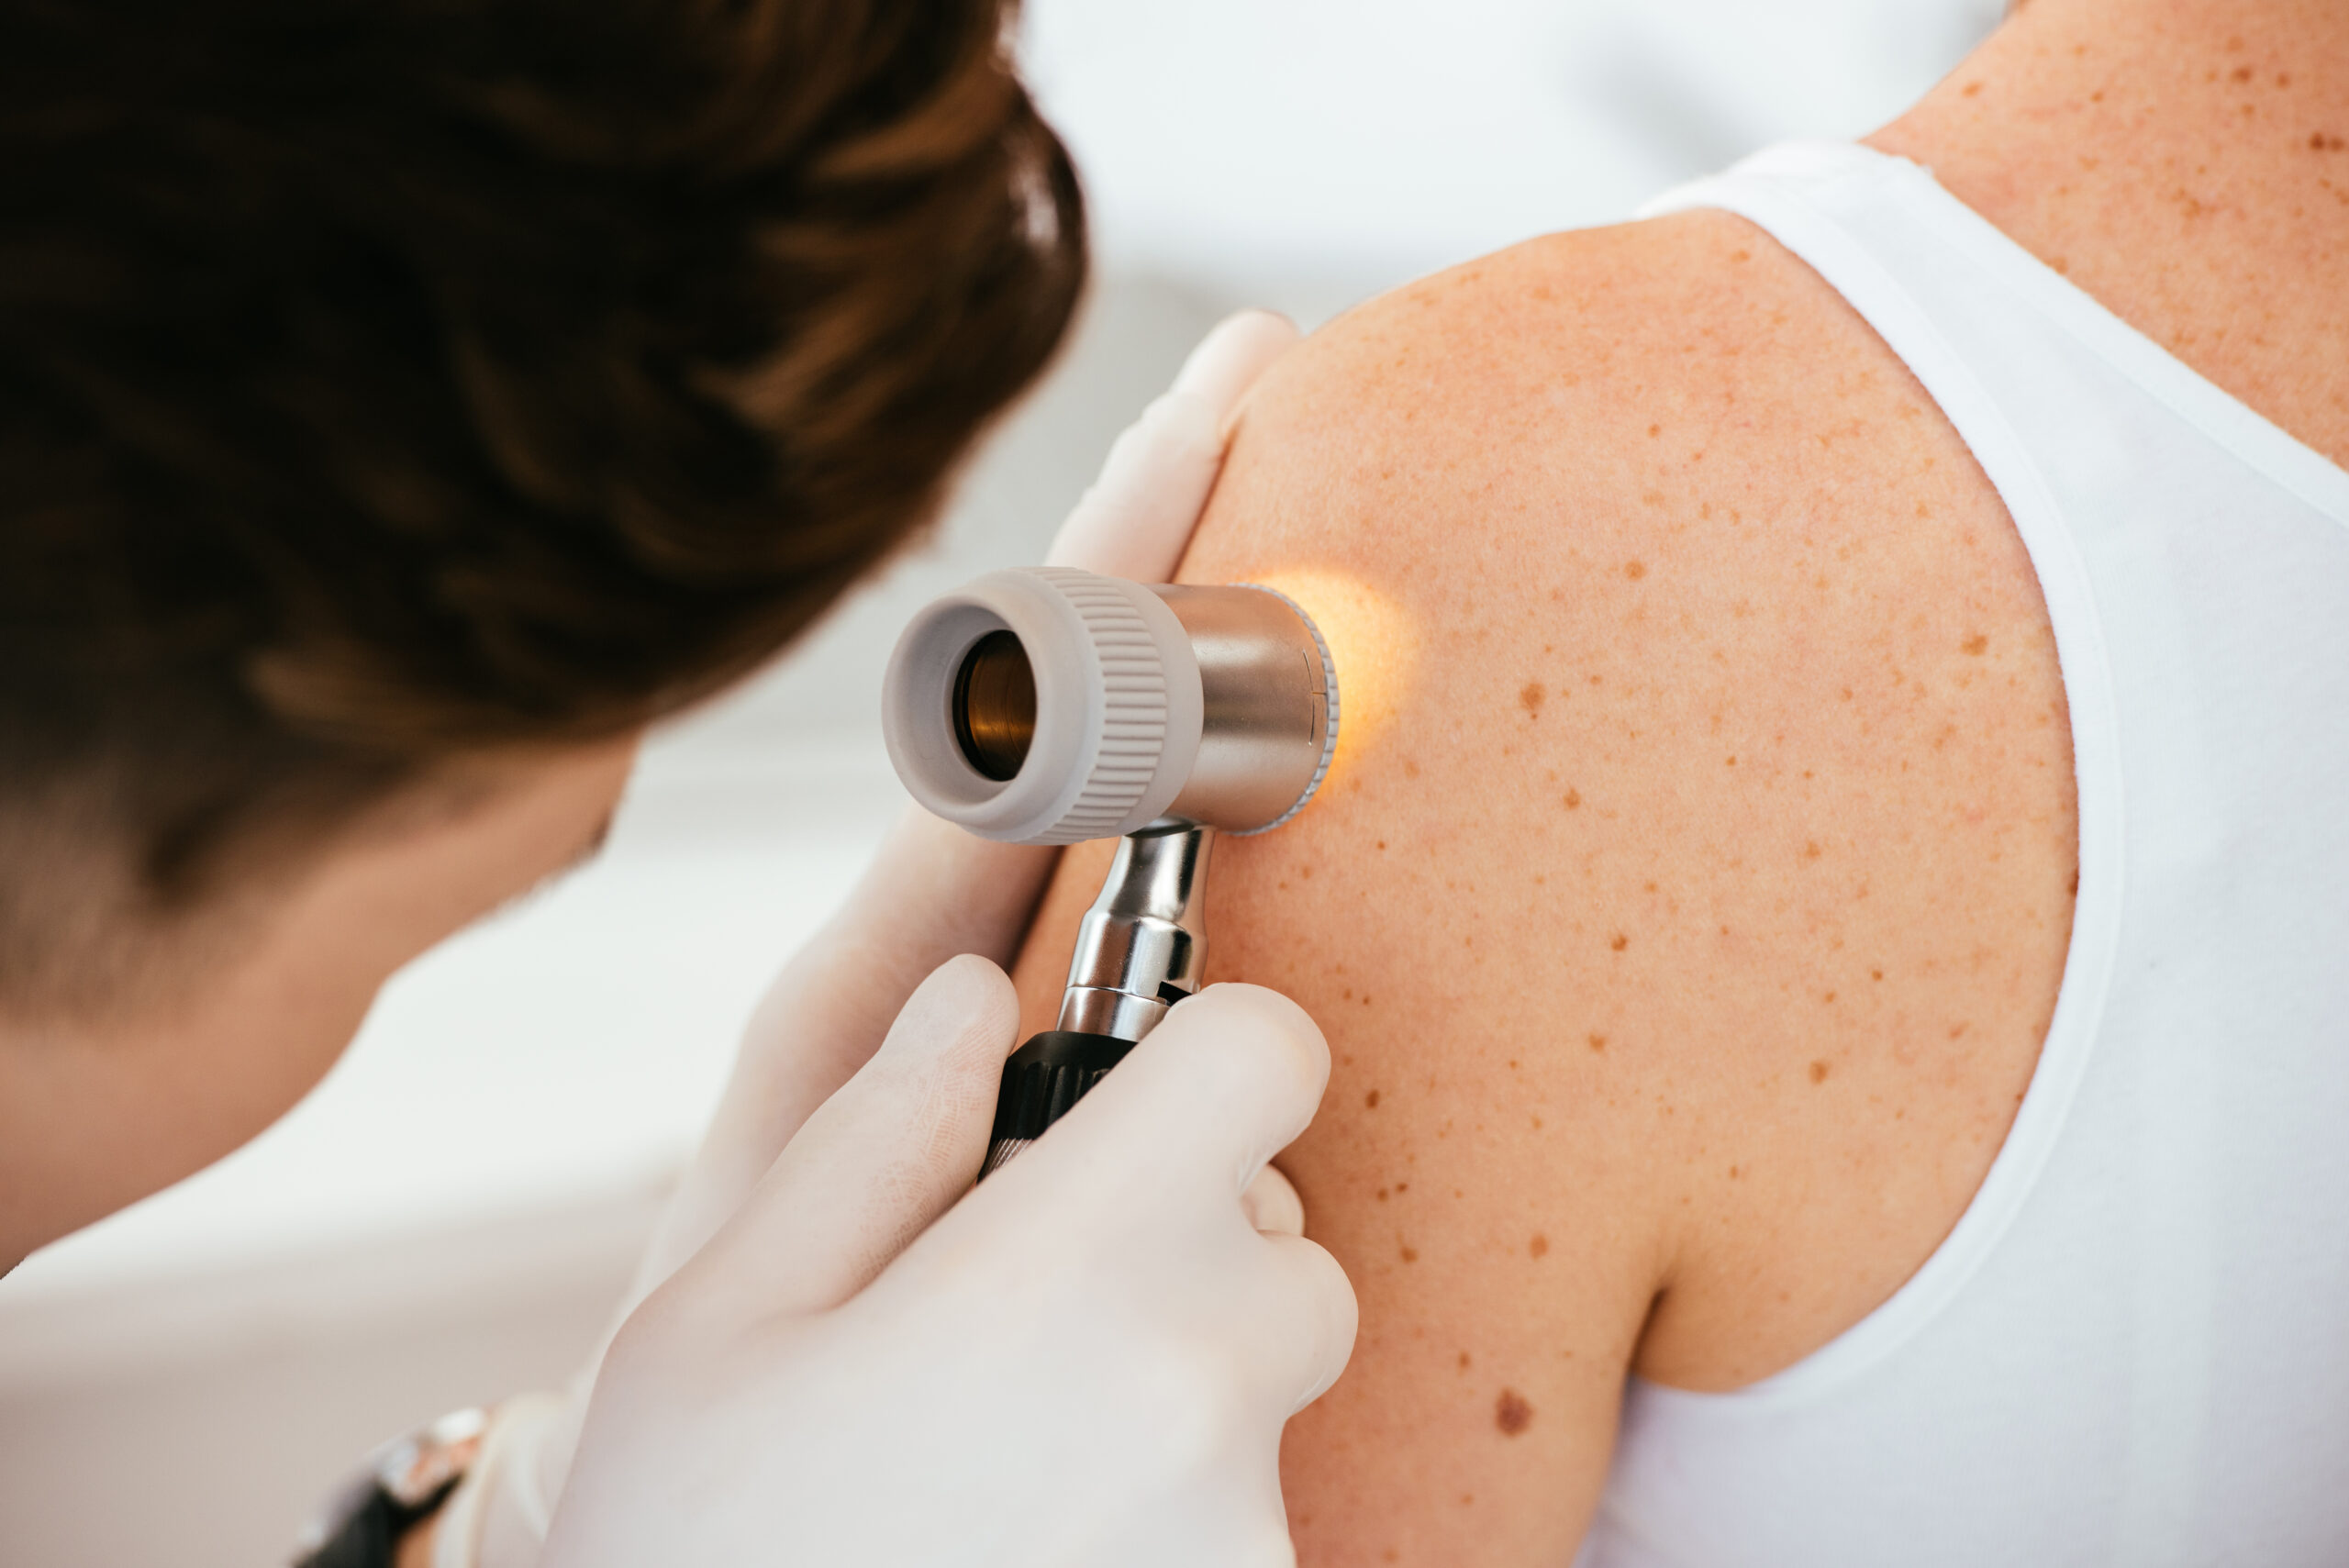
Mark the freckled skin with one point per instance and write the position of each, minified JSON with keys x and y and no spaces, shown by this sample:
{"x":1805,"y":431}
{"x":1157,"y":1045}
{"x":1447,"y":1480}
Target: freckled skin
{"x":1734,"y":1044}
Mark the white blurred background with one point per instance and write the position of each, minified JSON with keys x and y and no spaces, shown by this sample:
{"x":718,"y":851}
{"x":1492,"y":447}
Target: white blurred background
{"x":449,"y":1218}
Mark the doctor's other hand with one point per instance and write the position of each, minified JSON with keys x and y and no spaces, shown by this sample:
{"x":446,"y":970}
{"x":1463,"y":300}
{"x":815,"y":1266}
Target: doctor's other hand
{"x":1086,"y":1360}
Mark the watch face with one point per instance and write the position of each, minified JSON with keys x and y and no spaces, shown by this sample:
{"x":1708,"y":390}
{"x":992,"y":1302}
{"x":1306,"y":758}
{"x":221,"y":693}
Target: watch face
{"x":417,"y":1467}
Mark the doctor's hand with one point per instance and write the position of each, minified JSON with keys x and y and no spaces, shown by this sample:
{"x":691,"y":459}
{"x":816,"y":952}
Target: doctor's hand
{"x":1088,"y":1359}
{"x":932,"y":893}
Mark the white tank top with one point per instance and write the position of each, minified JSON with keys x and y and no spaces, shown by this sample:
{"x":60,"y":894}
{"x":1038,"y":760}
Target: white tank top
{"x":2133,"y":1347}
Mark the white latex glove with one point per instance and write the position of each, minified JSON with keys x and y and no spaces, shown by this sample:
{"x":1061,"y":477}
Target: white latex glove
{"x":1086,"y":1361}
{"x":932,"y":892}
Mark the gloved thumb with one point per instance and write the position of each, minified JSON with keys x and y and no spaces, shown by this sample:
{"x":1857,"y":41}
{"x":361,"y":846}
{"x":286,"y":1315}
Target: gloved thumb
{"x":885,"y":1155}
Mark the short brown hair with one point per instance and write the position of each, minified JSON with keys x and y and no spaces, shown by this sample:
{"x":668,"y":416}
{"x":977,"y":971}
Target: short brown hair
{"x":385,"y":379}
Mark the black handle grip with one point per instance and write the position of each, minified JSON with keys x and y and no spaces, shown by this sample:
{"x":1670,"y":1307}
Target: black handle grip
{"x":1042,"y":1082}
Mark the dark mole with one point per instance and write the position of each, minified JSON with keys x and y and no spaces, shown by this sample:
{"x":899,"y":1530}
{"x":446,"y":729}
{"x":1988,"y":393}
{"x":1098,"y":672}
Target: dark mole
{"x":1573,"y":798}
{"x":1530,"y":697}
{"x":1620,"y":942}
{"x":1819,"y":1072}
{"x":1635,"y":569}
{"x":2075,"y":882}
{"x":1977,"y":645}
{"x":1511,"y":1414}
{"x":1598,"y":1043}
{"x":1370,"y":1100}
{"x":1538,"y":1246}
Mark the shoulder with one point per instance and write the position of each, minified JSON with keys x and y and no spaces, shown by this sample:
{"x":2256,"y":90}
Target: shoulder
{"x":1700,"y":698}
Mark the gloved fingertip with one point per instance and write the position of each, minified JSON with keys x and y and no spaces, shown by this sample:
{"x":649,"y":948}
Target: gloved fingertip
{"x":1271,"y":1204}
{"x":1230,"y":358}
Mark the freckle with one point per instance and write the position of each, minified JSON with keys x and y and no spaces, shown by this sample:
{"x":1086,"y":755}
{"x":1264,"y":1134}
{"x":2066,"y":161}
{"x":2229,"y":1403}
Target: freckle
{"x":1511,"y":1414}
{"x":1741,"y":255}
{"x":1382,"y":843}
{"x":1410,"y":769}
{"x":1512,"y":1066}
{"x":2241,"y":73}
{"x":2283,"y":79}
{"x":1959,"y":1031}
{"x":1537,"y":1124}
{"x":1370,"y":1101}
{"x":1365,"y":999}
{"x":1574,"y":799}
{"x":1466,"y":1498}
{"x":1598,"y":1043}
{"x":1971,"y":88}
{"x":1923,"y":510}
{"x":1732,"y":762}
{"x":1810,"y":849}
{"x":1594,"y":680}
{"x":1829,"y":999}
{"x":1410,"y":1254}
{"x":1304,"y":873}
{"x":1349,"y":994}
{"x":1402,"y":1187}
{"x":1538,"y":1247}
{"x":1819,"y":1072}
{"x":1382,"y":1194}
{"x":1463,"y":1361}
{"x":1847,"y":694}
{"x":1875,"y":975}
{"x":1389,"y":1555}
{"x":1529,"y":695}
{"x":1635,"y":569}
{"x":1619,"y":943}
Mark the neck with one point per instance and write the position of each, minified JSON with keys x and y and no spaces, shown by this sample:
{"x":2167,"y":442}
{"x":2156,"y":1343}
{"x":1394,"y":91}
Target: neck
{"x":2185,"y":162}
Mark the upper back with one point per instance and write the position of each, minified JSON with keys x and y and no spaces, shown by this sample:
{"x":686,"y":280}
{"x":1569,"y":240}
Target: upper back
{"x":1693,"y":890}
{"x":1687,"y":899}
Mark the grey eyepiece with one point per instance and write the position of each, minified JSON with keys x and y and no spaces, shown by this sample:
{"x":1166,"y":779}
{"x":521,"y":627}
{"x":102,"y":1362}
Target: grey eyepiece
{"x":1045,"y":706}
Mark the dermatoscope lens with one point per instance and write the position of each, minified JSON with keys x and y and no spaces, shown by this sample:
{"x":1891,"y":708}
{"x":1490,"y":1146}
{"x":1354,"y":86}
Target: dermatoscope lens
{"x":994,"y":705}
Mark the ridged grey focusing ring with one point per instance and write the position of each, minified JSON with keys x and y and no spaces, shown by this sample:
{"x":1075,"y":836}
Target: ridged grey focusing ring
{"x":1212,"y":706}
{"x":1117,"y":707}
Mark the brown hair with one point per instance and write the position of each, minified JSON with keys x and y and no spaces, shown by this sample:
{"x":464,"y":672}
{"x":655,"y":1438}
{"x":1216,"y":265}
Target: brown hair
{"x":381,"y":380}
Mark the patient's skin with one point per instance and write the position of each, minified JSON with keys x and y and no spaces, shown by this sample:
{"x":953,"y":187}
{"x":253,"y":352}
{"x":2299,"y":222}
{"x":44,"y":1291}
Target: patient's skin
{"x":1686,"y":918}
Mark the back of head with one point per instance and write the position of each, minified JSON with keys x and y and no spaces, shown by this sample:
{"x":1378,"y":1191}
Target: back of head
{"x":384,"y":381}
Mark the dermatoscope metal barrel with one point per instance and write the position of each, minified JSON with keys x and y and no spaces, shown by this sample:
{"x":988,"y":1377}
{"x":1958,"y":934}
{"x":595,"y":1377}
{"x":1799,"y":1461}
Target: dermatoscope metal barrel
{"x":1047,"y":706}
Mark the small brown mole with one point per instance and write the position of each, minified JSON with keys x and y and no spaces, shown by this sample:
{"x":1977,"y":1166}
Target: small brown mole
{"x":1370,"y":1101}
{"x":1538,"y":1247}
{"x":1819,"y":1072}
{"x":1511,"y":1412}
{"x":1635,"y":569}
{"x":1619,"y":943}
{"x":1410,"y":1254}
{"x":1463,"y":1361}
{"x":1598,"y":1043}
{"x":1530,"y":697}
{"x":1574,"y":799}
{"x":1976,"y":645}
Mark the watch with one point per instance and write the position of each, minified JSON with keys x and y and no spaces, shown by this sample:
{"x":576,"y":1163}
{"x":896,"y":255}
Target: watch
{"x":401,"y":1482}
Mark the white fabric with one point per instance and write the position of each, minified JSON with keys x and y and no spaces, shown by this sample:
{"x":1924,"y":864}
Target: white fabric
{"x":2133,"y":1349}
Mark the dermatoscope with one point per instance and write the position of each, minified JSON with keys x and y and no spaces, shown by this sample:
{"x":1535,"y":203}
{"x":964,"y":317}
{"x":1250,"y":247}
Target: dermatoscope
{"x":1046,"y":706}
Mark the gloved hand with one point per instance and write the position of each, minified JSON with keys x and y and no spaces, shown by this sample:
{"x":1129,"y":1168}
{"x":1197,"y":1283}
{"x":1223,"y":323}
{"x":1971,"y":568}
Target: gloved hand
{"x":932,"y":892}
{"x":1086,"y":1361}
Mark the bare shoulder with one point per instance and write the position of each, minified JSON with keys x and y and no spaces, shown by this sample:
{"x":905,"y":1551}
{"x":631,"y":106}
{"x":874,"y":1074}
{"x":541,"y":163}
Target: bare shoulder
{"x":1687,"y":901}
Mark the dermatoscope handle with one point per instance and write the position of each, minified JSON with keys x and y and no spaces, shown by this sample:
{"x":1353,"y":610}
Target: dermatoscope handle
{"x":1042,"y":1083}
